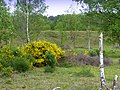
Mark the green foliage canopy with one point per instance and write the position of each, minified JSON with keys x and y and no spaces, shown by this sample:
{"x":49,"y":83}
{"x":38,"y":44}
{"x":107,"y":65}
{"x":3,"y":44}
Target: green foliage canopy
{"x":6,"y":25}
{"x":34,"y":6}
{"x":69,"y":22}
{"x":28,"y":19}
{"x":108,"y":12}
{"x":37,"y":24}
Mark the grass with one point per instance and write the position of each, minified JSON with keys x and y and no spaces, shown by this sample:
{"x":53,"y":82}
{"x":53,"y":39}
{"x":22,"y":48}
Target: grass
{"x":68,"y":38}
{"x":72,"y":78}
{"x":115,"y":60}
{"x":65,"y":78}
{"x":114,"y":53}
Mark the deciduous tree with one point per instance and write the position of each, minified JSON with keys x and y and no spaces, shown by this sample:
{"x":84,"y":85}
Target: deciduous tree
{"x":28,"y":7}
{"x":109,"y":13}
{"x":6,"y":25}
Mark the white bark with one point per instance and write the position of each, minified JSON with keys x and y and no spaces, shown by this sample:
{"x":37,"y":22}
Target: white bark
{"x":88,"y":39}
{"x":102,"y":76}
{"x":115,"y":83}
{"x":56,"y":88}
{"x":28,"y":37}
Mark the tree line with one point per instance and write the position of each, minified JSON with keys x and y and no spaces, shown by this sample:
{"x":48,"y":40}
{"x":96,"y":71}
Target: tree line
{"x":108,"y":12}
{"x":26,"y":21}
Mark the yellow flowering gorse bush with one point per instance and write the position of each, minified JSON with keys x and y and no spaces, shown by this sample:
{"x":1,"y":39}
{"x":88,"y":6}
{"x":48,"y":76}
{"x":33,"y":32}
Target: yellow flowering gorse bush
{"x":39,"y":49}
{"x":6,"y":53}
{"x":86,"y":52}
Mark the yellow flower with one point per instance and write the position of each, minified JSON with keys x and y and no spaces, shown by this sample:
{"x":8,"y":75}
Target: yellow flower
{"x":40,"y":48}
{"x":40,"y":61}
{"x":86,"y":52}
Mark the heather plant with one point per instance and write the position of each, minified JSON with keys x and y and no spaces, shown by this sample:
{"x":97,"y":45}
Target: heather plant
{"x":81,"y":59}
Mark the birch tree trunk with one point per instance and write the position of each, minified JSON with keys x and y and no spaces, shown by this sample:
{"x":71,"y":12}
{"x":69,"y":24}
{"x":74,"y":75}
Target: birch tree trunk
{"x":115,"y":83}
{"x":89,"y":39}
{"x":102,"y":76}
{"x":27,"y":28}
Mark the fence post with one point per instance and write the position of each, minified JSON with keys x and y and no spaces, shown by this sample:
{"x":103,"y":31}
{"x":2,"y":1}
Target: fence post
{"x":102,"y":75}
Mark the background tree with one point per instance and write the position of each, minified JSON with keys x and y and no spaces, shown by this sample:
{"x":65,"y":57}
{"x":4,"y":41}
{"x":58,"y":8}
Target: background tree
{"x":37,"y":24}
{"x":90,"y":22}
{"x":108,"y":11}
{"x":6,"y":25}
{"x":69,"y":22}
{"x":19,"y":20}
{"x":52,"y":21}
{"x":27,"y":7}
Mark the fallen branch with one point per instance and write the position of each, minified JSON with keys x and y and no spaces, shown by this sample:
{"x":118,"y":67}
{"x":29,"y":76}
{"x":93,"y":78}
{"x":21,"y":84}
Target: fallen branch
{"x":56,"y":88}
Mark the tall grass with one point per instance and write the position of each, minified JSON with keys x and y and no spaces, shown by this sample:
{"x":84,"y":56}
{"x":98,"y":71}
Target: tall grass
{"x":65,"y":78}
{"x":66,"y":38}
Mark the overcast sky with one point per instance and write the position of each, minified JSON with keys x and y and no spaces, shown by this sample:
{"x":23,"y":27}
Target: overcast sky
{"x":58,"y":7}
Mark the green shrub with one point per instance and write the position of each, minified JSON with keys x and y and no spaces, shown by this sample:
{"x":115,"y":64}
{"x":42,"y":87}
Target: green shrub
{"x":51,"y":62}
{"x":14,"y":57}
{"x":7,"y":54}
{"x":1,"y":66}
{"x":93,"y":53}
{"x":5,"y":63}
{"x":30,"y":59}
{"x":16,"y":51}
{"x":97,"y":52}
{"x":50,"y":59}
{"x":7,"y":71}
{"x":20,"y":64}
